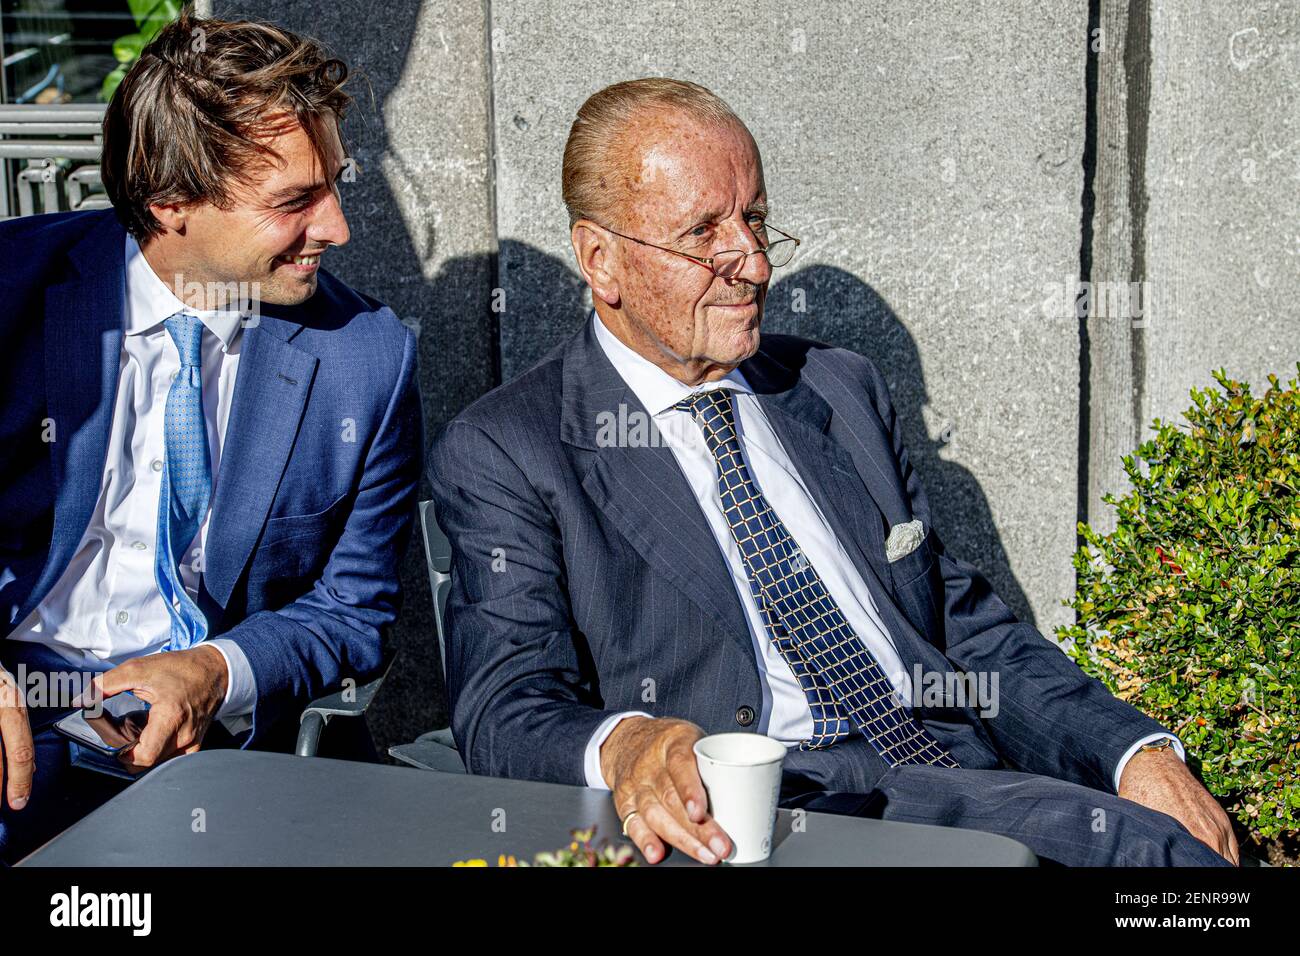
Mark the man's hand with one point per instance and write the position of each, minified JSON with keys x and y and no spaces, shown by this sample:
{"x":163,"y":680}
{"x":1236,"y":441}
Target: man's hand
{"x":650,"y":766}
{"x":184,"y":689}
{"x":1159,"y":780}
{"x":17,"y":752}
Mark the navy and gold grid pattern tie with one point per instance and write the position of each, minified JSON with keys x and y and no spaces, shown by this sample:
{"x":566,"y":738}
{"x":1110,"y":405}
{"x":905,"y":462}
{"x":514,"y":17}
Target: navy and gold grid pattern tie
{"x":841,"y":678}
{"x":186,"y":482}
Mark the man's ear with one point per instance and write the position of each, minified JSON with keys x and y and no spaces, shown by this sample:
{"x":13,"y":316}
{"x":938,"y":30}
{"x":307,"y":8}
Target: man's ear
{"x":171,"y":216}
{"x":590,"y":246}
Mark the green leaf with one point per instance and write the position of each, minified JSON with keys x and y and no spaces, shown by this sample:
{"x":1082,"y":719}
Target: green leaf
{"x":152,"y":15}
{"x":127,"y":49}
{"x":111,"y":83}
{"x":1210,"y":650}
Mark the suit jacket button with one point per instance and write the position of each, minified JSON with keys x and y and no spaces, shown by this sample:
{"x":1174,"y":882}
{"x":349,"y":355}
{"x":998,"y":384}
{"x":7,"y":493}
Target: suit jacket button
{"x":744,"y":715}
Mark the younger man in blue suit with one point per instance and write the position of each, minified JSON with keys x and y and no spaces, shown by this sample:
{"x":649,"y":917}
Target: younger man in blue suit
{"x":183,"y":474}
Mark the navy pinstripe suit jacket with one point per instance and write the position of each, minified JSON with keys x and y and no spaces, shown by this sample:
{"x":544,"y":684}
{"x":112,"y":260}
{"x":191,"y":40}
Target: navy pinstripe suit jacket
{"x":586,"y":581}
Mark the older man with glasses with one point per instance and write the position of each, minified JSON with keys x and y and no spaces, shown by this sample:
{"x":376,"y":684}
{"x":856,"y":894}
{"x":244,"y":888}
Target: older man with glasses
{"x":753,"y":553}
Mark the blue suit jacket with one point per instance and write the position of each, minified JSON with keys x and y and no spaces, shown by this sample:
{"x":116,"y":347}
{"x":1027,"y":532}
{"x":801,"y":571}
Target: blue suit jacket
{"x":315,"y":497}
{"x":586,"y":580}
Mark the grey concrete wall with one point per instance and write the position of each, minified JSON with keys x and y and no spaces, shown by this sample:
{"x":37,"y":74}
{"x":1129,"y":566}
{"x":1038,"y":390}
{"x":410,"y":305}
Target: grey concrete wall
{"x":423,"y":240}
{"x":1199,"y":198}
{"x":934,"y":165}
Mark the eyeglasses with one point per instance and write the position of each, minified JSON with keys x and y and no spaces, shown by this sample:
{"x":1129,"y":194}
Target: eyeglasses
{"x":730,"y":263}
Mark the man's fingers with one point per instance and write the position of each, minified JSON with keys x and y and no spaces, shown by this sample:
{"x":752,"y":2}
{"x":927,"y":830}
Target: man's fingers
{"x":693,"y":799}
{"x":158,"y":736}
{"x":670,"y":823}
{"x":706,"y":833}
{"x":650,"y":824}
{"x":108,"y":731}
{"x":660,"y":795}
{"x":17,"y":753}
{"x":1216,"y":841}
{"x":19,"y":759}
{"x":1231,"y":850}
{"x":1215,"y":831}
{"x":685,"y":774}
{"x":128,"y":676}
{"x":639,"y":832}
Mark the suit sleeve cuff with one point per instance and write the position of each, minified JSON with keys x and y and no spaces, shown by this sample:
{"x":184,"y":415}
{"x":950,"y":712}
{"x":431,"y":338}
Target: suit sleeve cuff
{"x":236,"y":711}
{"x":1129,"y":754}
{"x":591,"y":762}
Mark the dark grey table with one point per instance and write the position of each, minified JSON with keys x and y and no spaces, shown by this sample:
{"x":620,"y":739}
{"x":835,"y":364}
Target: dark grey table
{"x":242,"y":808}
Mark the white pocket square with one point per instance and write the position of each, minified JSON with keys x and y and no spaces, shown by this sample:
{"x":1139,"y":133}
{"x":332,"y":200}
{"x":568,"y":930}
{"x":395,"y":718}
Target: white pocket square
{"x":904,"y":539}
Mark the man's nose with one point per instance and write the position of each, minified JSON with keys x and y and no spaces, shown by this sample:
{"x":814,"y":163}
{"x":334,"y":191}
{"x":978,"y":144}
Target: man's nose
{"x":756,"y":268}
{"x":329,"y":225}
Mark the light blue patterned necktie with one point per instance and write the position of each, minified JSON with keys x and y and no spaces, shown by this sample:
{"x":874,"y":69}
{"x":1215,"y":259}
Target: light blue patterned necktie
{"x":840,"y":677}
{"x":186,"y":482}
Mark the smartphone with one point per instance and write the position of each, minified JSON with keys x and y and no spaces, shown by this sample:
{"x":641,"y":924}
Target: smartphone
{"x":111,"y":727}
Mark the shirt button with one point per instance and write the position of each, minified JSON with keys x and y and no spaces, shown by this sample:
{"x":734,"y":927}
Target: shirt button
{"x":799,"y":562}
{"x":173,"y":376}
{"x":156,"y":464}
{"x":123,"y":617}
{"x":744,"y":715}
{"x":139,"y":545}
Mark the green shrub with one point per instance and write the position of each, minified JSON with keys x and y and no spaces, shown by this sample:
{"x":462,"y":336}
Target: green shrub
{"x":1190,"y":610}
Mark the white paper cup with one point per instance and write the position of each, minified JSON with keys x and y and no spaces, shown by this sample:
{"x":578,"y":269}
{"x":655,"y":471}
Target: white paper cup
{"x":742,"y":775}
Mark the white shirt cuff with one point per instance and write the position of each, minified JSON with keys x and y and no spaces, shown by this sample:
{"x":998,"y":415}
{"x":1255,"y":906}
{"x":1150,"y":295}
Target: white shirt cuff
{"x":236,"y":711}
{"x":1123,"y":761}
{"x":591,"y":762}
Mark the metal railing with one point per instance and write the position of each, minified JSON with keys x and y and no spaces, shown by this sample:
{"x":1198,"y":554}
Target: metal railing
{"x":50,"y":157}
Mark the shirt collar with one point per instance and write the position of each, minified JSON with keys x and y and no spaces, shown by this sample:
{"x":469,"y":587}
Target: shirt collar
{"x":149,"y":302}
{"x":654,"y":388}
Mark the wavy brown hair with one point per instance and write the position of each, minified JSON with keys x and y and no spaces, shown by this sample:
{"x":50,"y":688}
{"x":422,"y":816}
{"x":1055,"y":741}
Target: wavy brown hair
{"x":185,"y":122}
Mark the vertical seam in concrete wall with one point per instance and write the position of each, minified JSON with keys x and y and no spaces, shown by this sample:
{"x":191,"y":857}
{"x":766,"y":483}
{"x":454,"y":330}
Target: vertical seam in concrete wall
{"x":1089,"y":210}
{"x":494,"y":266}
{"x":1137,"y":76}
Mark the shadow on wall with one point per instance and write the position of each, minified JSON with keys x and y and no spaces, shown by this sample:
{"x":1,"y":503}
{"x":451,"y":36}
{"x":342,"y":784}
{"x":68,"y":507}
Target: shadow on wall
{"x":391,"y":208}
{"x":461,"y":337}
{"x":547,"y":304}
{"x":466,"y":348}
{"x":842,"y":310}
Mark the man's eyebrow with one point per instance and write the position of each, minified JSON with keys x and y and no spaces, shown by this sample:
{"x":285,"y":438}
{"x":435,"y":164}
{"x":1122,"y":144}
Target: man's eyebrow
{"x":758,"y":205}
{"x":695,"y":218}
{"x":298,"y":189}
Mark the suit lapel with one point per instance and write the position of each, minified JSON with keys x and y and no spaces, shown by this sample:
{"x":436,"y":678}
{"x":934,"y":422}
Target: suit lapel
{"x":836,"y":487}
{"x":642,"y":490}
{"x":271,"y":391}
{"x":84,"y":310}
{"x":800,"y":417}
{"x":83,"y":345}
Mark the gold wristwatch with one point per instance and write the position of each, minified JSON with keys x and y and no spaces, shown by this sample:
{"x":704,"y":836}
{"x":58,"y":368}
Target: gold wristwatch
{"x":1164,"y":743}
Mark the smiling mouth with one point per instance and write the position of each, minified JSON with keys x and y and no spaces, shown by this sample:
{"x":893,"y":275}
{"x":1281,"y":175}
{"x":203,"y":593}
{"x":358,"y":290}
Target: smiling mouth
{"x":313,"y":260}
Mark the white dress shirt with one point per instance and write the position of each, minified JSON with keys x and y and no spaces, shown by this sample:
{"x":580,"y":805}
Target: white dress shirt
{"x":106,"y":607}
{"x":784,"y":713}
